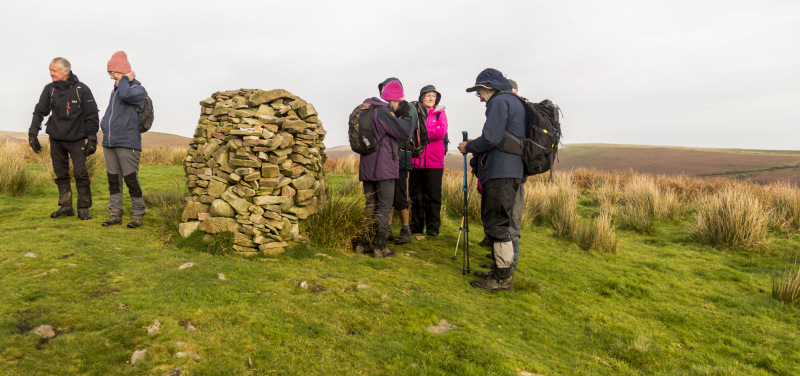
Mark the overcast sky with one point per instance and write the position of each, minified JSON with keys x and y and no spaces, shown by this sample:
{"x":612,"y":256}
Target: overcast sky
{"x":679,"y":72}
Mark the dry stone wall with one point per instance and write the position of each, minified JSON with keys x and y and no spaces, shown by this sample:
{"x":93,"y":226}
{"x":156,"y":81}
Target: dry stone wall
{"x":254,"y":168}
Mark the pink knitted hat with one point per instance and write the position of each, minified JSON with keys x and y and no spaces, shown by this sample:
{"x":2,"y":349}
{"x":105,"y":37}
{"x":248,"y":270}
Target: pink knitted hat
{"x":119,"y":63}
{"x":392,"y":92}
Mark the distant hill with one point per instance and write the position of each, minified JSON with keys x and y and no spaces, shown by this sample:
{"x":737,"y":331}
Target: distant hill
{"x":149,"y":139}
{"x":760,"y":166}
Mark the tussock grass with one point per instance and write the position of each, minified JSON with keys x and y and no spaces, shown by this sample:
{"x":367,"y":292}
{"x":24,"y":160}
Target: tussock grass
{"x":338,"y":222}
{"x":733,"y":218}
{"x":786,"y":287}
{"x":562,"y":207}
{"x":784,"y":201}
{"x":344,"y":166}
{"x":537,"y":196}
{"x":453,"y":195}
{"x":642,"y":201}
{"x":167,"y":205}
{"x":164,"y":155}
{"x":607,"y":196}
{"x":597,"y":234}
{"x":13,"y":178}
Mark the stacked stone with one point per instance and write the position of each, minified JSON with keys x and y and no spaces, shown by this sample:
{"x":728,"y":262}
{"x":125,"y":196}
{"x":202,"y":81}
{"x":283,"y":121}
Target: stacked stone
{"x":254,"y":168}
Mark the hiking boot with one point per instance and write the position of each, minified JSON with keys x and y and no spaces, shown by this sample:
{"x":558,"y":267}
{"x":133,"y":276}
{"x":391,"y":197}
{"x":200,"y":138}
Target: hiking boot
{"x":433,"y":233}
{"x":404,"y":237}
{"x":135,"y":222}
{"x":389,"y":236}
{"x":84,"y":214}
{"x":493,"y":284}
{"x":482,"y":274}
{"x":487,"y":266}
{"x":485,"y":242}
{"x":111,"y":221}
{"x":63,"y":211}
{"x":384,"y":252}
{"x":363,"y":249}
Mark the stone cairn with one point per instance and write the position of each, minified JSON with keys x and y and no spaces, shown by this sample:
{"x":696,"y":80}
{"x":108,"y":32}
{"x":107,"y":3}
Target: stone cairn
{"x":254,"y":168}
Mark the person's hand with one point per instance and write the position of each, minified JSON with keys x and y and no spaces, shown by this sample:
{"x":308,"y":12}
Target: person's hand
{"x":403,"y":109}
{"x":131,"y":76}
{"x":33,"y":141}
{"x":462,"y":147}
{"x":90,"y":148}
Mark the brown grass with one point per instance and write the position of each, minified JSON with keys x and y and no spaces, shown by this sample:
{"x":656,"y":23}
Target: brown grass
{"x":345,"y":166}
{"x":733,"y":218}
{"x":786,"y":288}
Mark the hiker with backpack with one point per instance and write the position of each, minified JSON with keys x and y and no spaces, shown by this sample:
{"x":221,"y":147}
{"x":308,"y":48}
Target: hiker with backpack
{"x":516,"y":218}
{"x":499,"y":173}
{"x":378,"y":168}
{"x":122,"y":140}
{"x":72,"y":127}
{"x":425,"y":181}
{"x":400,"y":201}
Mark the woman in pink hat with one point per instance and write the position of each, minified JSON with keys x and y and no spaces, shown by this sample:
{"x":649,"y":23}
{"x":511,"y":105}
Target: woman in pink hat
{"x":122,"y":142}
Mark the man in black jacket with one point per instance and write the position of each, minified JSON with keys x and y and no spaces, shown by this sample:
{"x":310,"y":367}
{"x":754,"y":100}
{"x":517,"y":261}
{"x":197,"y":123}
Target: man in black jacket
{"x":72,"y":127}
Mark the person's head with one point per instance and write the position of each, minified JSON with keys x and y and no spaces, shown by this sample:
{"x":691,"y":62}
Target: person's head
{"x":59,"y":69}
{"x":392,"y":92}
{"x":118,"y":66}
{"x":514,"y":87}
{"x":429,"y":97}
{"x":488,"y":82}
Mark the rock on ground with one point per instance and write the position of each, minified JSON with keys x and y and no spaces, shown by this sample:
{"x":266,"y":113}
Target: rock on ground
{"x":443,"y":327}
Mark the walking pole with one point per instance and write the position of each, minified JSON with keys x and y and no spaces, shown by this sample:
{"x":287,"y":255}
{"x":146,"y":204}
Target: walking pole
{"x":465,"y":228}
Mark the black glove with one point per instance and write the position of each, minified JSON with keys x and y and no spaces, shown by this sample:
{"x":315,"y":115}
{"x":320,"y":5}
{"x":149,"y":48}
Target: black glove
{"x":33,"y":141}
{"x":91,"y":147}
{"x":402,"y":109}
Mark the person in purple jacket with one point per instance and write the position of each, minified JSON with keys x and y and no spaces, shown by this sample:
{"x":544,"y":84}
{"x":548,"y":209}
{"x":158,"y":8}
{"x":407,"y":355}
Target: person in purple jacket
{"x":378,"y":171}
{"x":425,"y":180}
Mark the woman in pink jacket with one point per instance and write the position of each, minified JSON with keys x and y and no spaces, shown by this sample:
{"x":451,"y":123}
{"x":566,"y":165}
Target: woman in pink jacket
{"x":425,"y":180}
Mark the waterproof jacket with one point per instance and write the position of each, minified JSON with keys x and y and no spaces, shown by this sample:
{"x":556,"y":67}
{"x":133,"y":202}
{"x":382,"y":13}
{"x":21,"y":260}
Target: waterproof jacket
{"x":503,"y":113}
{"x":120,"y":123}
{"x":433,"y":155}
{"x":384,"y":163}
{"x":72,"y":110}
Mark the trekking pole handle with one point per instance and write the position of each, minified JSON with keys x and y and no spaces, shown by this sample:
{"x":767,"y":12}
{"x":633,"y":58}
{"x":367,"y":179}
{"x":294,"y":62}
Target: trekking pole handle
{"x":464,"y":133}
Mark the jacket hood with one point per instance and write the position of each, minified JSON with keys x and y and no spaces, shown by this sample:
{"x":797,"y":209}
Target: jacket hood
{"x":72,"y":79}
{"x":428,"y":89}
{"x":376,"y":102}
{"x":492,"y":78}
{"x":386,"y":82}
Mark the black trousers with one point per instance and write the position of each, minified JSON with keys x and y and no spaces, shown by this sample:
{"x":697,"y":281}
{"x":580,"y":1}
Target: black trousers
{"x":497,"y":201}
{"x":425,"y":191}
{"x":379,"y":196}
{"x":60,"y":154}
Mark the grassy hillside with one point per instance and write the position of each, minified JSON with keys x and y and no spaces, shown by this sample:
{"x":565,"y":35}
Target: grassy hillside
{"x":659,"y":303}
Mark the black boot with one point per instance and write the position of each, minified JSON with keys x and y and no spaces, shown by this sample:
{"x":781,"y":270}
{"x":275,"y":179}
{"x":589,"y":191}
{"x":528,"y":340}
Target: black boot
{"x":64,"y":211}
{"x":498,"y":279}
{"x":405,"y":237}
{"x":84,"y":214}
{"x":65,"y":201}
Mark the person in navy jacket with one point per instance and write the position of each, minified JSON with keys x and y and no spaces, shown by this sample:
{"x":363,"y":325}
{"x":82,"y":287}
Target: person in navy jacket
{"x":122,"y":142}
{"x":499,"y":173}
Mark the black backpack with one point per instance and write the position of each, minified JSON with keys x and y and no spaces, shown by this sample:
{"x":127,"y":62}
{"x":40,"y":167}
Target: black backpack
{"x":360,"y":130}
{"x":542,"y":137}
{"x":419,"y":137}
{"x":145,"y":114}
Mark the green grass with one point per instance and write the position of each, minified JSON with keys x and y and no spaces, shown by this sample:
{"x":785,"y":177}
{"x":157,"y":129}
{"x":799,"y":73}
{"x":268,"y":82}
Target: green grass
{"x":662,"y":305}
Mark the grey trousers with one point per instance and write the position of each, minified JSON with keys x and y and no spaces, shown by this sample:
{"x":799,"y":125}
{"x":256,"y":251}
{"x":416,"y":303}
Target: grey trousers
{"x":516,"y":221}
{"x":122,"y":165}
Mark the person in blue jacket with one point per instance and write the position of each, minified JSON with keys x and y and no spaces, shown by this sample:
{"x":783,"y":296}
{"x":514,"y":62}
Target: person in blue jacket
{"x":122,"y":142}
{"x":499,"y":173}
